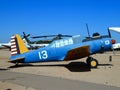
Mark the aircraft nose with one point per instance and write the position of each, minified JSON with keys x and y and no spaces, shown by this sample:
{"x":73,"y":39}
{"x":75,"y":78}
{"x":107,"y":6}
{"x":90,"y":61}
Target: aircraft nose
{"x":113,"y":41}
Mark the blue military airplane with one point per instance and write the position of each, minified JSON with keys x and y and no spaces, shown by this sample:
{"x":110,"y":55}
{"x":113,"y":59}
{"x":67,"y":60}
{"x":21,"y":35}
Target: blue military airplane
{"x":60,"y":50}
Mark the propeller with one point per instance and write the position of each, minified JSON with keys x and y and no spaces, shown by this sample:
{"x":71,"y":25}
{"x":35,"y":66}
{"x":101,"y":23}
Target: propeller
{"x":26,"y":37}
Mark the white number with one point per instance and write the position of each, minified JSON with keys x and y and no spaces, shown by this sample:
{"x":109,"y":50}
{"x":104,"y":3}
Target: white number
{"x":43,"y":54}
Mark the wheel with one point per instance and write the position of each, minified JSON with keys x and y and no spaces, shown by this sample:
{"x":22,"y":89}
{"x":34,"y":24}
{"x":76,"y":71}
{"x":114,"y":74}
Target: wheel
{"x":93,"y":63}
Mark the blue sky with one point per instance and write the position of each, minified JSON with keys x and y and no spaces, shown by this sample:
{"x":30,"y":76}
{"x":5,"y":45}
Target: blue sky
{"x":46,"y":17}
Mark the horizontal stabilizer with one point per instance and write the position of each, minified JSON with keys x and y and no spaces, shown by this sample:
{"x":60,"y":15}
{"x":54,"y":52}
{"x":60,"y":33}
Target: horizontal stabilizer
{"x":16,"y":59}
{"x":77,"y":53}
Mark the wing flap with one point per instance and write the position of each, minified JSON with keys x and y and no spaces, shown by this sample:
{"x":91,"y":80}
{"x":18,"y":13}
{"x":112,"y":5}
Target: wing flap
{"x":77,"y":53}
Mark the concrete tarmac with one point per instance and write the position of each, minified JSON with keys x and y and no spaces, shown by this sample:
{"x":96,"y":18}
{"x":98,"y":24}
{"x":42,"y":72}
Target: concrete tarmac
{"x":40,"y":82}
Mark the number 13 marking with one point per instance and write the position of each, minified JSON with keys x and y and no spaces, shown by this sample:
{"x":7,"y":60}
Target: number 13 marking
{"x":43,"y":54}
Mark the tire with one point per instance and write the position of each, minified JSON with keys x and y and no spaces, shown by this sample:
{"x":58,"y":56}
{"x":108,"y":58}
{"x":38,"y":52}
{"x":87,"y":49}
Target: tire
{"x":93,"y":63}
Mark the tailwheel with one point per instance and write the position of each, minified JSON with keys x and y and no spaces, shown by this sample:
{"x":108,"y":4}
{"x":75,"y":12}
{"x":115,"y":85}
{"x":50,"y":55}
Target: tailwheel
{"x":93,"y":63}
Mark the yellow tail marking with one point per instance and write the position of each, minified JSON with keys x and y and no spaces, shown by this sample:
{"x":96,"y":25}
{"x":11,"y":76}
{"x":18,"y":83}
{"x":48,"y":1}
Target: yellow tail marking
{"x":21,"y":45}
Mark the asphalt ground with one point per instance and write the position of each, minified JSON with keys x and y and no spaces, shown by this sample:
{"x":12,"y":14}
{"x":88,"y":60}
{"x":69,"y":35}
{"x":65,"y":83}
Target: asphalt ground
{"x":40,"y":82}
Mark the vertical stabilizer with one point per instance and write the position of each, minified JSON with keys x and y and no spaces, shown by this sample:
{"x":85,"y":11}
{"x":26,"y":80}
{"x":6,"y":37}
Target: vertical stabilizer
{"x":17,"y":45}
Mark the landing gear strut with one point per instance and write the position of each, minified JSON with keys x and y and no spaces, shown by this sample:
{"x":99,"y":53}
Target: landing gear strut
{"x":16,"y":63}
{"x":93,"y":63}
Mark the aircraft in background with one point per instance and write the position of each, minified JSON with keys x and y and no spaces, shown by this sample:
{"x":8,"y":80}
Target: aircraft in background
{"x":33,"y":46}
{"x":116,"y":29}
{"x":30,"y":44}
{"x":5,"y":45}
{"x":116,"y":46}
{"x":42,"y":43}
{"x":25,"y":40}
{"x":8,"y":45}
{"x":61,"y":50}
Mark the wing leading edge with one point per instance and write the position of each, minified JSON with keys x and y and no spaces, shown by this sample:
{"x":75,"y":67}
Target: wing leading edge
{"x":77,"y":53}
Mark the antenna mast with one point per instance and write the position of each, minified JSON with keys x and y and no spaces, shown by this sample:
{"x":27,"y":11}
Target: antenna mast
{"x":88,"y":30}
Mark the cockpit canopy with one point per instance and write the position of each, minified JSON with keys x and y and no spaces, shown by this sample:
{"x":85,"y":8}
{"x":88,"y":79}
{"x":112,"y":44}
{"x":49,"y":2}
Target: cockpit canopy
{"x":66,"y":41}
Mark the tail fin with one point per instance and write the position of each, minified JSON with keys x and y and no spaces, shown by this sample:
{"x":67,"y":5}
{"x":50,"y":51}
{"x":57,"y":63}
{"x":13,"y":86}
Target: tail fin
{"x":17,"y":45}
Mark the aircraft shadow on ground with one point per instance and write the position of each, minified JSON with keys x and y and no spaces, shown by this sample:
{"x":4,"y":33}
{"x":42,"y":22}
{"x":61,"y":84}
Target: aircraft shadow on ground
{"x":72,"y":66}
{"x":78,"y":67}
{"x":3,"y":69}
{"x":105,"y":65}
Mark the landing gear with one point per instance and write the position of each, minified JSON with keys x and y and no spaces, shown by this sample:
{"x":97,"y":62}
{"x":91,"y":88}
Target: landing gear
{"x":16,"y":63}
{"x":93,"y":63}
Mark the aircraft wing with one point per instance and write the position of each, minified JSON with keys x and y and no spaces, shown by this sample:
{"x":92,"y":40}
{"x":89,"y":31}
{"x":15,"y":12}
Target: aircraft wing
{"x":7,"y":46}
{"x":116,"y":29}
{"x":77,"y":53}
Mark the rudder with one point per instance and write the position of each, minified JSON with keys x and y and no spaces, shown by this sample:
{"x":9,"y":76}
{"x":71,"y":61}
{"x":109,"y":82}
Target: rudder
{"x":17,"y":45}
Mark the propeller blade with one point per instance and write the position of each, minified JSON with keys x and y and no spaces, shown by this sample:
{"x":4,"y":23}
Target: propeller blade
{"x":59,"y":35}
{"x":24,"y":34}
{"x":28,"y":35}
